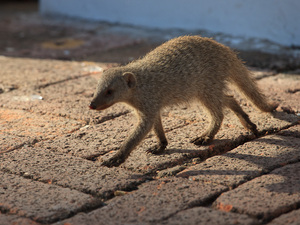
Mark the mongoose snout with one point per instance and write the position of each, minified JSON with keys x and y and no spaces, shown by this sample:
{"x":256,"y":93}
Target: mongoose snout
{"x":184,"y":69}
{"x":93,"y":106}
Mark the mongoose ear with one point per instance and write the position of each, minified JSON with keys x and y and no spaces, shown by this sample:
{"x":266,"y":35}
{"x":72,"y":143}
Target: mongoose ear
{"x":130,"y":79}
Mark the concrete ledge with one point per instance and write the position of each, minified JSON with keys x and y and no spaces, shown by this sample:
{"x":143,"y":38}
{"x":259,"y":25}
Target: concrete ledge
{"x":273,"y":20}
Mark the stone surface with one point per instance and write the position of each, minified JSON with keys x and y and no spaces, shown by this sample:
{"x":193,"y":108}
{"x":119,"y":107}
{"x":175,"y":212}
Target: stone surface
{"x":180,"y":149}
{"x":51,"y":144}
{"x":19,"y":127}
{"x":152,"y":202}
{"x":68,"y":171}
{"x":36,"y":73}
{"x":66,"y":98}
{"x":9,"y":142}
{"x":291,"y":218}
{"x":204,"y":216}
{"x":292,"y":131}
{"x":95,"y":140}
{"x":41,"y":202}
{"x":265,"y":197}
{"x":284,"y":89}
{"x":15,"y":220}
{"x":246,"y":161}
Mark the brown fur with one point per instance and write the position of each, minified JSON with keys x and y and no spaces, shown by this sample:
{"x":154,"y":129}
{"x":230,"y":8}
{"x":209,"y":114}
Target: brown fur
{"x":181,"y":70}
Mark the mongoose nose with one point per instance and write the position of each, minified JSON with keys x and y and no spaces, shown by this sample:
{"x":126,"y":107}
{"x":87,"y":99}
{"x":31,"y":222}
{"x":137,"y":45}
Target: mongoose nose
{"x":92,"y":106}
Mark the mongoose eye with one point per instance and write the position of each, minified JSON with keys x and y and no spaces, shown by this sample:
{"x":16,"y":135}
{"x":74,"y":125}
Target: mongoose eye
{"x":109,"y":92}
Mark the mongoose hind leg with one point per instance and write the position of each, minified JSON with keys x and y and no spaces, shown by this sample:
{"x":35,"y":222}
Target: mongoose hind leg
{"x":162,"y":140}
{"x":216,"y":113}
{"x":232,"y":104}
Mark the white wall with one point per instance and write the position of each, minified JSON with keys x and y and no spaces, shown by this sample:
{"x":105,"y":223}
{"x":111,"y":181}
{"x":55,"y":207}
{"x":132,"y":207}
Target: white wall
{"x":276,"y":20}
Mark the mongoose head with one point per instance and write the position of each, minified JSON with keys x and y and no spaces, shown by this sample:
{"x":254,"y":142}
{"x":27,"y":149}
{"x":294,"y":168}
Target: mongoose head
{"x":114,"y":86}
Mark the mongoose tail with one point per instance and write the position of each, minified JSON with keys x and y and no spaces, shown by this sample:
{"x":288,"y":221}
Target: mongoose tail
{"x":242,"y":78}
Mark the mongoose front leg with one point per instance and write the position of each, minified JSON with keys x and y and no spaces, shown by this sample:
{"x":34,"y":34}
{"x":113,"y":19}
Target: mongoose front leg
{"x":162,"y":140}
{"x":144,"y":126}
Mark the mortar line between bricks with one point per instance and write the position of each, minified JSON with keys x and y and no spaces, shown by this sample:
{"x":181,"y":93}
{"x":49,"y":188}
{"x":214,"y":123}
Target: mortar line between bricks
{"x":64,"y":80}
{"x":4,"y":211}
{"x":103,"y":199}
{"x":23,"y":175}
{"x":84,"y":209}
{"x":152,"y":173}
{"x":47,"y":221}
{"x":264,"y":172}
{"x":209,"y":202}
{"x":193,"y":205}
{"x":205,"y":204}
{"x":210,"y":154}
{"x":296,"y":207}
{"x":96,"y":156}
{"x":34,"y":141}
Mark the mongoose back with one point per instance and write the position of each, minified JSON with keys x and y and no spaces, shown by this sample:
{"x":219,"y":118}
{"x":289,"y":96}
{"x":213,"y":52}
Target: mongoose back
{"x":184,"y":69}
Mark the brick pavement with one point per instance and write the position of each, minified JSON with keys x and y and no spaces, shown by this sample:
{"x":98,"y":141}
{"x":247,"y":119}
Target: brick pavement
{"x":51,"y":148}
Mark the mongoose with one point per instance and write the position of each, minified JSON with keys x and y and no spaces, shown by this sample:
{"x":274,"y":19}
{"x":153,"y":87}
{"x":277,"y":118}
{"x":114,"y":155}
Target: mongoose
{"x":183,"y":69}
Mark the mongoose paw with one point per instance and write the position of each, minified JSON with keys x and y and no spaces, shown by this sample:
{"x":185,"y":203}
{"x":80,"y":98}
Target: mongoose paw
{"x":203,"y":140}
{"x":113,"y":161}
{"x":252,"y":127}
{"x":273,"y":106}
{"x":156,"y":149}
{"x":255,"y":131}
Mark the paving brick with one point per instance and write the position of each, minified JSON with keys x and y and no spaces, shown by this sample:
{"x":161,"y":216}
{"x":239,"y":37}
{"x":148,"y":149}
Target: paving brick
{"x":204,"y":216}
{"x":19,"y":127}
{"x":246,"y":161}
{"x":56,"y":164}
{"x":223,"y":170}
{"x":91,"y":141}
{"x":66,"y":88}
{"x":41,"y":202}
{"x":74,"y":97}
{"x":25,"y":73}
{"x":267,"y":123}
{"x":283,"y":88}
{"x":10,"y":142}
{"x":153,"y":201}
{"x":180,"y":148}
{"x":292,"y":131}
{"x":68,"y":171}
{"x":291,"y":218}
{"x":94,"y":140}
{"x":66,"y":99}
{"x":259,"y":73}
{"x":15,"y":220}
{"x":265,"y":197}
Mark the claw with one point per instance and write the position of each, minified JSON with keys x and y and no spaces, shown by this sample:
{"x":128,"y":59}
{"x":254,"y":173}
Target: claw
{"x":157,"y":149}
{"x":113,"y":161}
{"x":203,"y":140}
